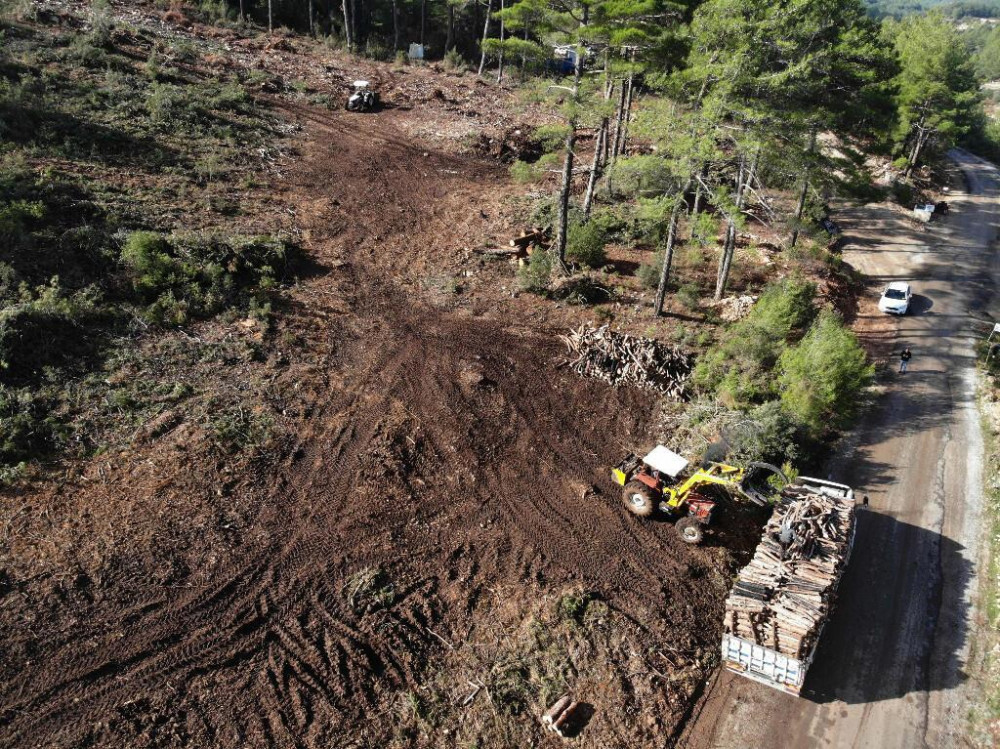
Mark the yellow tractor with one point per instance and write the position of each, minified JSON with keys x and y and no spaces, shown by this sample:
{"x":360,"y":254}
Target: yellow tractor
{"x":660,"y":482}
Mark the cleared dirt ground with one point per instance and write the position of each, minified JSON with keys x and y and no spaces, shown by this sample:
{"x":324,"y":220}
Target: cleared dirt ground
{"x":443,"y":519}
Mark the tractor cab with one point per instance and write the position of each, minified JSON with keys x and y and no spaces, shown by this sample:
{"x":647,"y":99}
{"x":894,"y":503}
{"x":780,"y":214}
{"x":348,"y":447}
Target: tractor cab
{"x":659,"y":469}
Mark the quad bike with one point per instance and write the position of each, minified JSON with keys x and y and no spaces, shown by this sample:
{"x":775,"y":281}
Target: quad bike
{"x":362,"y":99}
{"x":655,"y":484}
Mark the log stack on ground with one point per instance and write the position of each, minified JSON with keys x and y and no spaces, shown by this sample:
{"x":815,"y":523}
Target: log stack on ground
{"x":523,"y":245}
{"x":782,"y":598}
{"x":531,"y":237}
{"x":621,"y":359}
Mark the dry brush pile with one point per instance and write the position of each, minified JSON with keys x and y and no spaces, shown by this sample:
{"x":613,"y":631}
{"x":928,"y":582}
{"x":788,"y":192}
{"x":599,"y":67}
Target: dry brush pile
{"x":620,"y":359}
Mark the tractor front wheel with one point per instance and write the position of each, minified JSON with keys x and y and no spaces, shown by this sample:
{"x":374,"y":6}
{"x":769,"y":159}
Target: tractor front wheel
{"x":690,"y":530}
{"x":639,"y":499}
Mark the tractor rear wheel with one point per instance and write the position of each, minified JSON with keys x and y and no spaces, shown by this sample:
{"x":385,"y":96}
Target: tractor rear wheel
{"x":639,"y":499}
{"x":690,"y":530}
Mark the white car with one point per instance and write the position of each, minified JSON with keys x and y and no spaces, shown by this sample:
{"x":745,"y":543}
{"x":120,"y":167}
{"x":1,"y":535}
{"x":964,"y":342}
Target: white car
{"x":896,"y":298}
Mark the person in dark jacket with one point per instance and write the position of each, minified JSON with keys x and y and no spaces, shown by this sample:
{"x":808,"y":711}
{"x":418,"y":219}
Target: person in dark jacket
{"x":904,"y":359}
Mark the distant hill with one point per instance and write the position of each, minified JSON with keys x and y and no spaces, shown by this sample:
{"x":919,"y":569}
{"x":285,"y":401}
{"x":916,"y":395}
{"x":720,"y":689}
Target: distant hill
{"x":953,"y":8}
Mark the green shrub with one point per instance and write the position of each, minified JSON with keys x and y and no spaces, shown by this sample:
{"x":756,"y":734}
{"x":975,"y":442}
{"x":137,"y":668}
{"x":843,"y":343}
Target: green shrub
{"x":402,"y":58}
{"x":27,"y":428}
{"x":904,"y":193}
{"x":689,"y":295}
{"x":453,"y":61}
{"x":230,"y":97}
{"x":214,"y":11}
{"x":16,"y":217}
{"x":535,"y":275}
{"x":369,"y":589}
{"x":704,"y":229}
{"x":550,"y":137}
{"x":184,"y":277}
{"x":740,"y":369}
{"x":238,"y":428}
{"x":162,"y":102}
{"x":785,"y":307}
{"x":618,"y":221}
{"x":901,"y":163}
{"x":46,"y":327}
{"x":649,"y":271}
{"x":822,"y":377}
{"x":376,"y":49}
{"x":522,"y":172}
{"x":585,"y":245}
{"x":766,"y":433}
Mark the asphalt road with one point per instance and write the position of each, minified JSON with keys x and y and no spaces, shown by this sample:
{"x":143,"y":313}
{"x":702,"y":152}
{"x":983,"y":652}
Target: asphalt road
{"x":889,"y":668}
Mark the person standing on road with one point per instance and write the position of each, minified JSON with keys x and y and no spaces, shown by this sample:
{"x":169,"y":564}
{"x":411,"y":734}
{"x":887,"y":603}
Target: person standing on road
{"x":904,"y":359}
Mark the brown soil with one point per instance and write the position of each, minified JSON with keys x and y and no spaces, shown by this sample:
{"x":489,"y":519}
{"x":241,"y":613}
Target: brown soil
{"x":445,"y":476}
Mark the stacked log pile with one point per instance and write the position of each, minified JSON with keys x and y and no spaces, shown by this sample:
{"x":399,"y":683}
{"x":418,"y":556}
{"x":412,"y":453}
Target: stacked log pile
{"x":782,"y":598}
{"x":533,"y":239}
{"x":621,"y":359}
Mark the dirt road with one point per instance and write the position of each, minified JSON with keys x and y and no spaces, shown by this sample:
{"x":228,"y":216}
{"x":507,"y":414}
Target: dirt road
{"x":889,"y":669}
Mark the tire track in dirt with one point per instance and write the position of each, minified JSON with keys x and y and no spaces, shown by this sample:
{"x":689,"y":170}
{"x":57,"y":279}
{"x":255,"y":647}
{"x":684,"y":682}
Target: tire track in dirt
{"x":497,"y":458}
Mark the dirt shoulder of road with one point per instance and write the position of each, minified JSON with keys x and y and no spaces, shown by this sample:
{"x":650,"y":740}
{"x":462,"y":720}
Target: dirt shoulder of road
{"x":984,"y":713}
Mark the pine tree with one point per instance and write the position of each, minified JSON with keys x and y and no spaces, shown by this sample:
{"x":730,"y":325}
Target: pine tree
{"x":938,"y":92}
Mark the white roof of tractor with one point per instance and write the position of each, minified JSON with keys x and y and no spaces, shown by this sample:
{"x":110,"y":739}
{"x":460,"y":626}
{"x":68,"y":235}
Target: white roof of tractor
{"x":665,"y":461}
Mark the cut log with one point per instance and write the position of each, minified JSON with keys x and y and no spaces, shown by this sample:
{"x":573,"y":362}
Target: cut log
{"x":565,"y":721}
{"x":557,"y":709}
{"x":536,"y":236}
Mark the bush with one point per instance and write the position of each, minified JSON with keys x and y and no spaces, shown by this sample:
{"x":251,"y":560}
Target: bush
{"x":522,"y":172}
{"x":822,"y":377}
{"x":904,"y":193}
{"x":214,"y":11}
{"x":689,"y":295}
{"x":740,"y":370}
{"x":46,"y":327}
{"x":649,"y":272}
{"x":766,"y":433}
{"x":585,"y":245}
{"x":453,"y":61}
{"x":618,"y":222}
{"x":704,"y":229}
{"x":16,"y":218}
{"x":550,"y":137}
{"x":27,"y":430}
{"x":184,"y":277}
{"x":237,"y":428}
{"x":534,"y":276}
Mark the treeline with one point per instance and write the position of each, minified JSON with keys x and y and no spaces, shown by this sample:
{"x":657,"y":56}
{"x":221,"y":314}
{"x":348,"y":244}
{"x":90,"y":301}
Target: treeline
{"x":956,"y":9}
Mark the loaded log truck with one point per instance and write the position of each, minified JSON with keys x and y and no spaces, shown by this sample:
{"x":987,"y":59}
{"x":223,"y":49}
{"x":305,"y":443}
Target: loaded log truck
{"x":782,"y":600}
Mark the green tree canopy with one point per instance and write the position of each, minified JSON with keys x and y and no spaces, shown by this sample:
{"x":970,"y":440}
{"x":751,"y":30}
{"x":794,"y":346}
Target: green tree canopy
{"x":938,"y":94}
{"x":821,"y":377}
